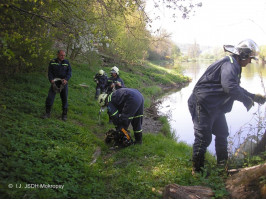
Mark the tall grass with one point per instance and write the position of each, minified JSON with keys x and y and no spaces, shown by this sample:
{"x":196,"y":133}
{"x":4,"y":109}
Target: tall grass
{"x":245,"y":141}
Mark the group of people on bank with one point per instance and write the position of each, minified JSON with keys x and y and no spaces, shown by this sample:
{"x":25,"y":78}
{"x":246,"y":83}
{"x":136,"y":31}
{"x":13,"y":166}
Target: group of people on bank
{"x":108,"y":85}
{"x":125,"y":106}
{"x":212,"y":97}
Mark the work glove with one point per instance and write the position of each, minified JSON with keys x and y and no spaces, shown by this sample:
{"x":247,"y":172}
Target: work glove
{"x":249,"y":103}
{"x":259,"y":98}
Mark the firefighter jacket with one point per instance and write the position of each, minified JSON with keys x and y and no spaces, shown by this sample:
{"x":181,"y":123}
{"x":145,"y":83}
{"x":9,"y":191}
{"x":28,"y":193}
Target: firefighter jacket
{"x":219,"y":86}
{"x":101,"y":80}
{"x":59,"y":70}
{"x":125,"y":105}
{"x":116,"y":80}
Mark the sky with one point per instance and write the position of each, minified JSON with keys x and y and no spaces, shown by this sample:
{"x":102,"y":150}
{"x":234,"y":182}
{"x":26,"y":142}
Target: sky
{"x":216,"y":23}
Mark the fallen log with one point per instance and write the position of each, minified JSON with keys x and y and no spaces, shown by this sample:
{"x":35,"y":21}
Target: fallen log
{"x":175,"y":191}
{"x":247,"y":183}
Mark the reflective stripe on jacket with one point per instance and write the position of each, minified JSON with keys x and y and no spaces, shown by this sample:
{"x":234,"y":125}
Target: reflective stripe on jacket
{"x":125,"y":102}
{"x":59,"y":70}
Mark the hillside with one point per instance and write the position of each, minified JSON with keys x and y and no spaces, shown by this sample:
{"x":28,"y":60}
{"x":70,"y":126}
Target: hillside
{"x":55,"y":159}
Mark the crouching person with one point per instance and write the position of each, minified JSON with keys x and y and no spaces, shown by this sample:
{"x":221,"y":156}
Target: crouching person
{"x":125,"y":106}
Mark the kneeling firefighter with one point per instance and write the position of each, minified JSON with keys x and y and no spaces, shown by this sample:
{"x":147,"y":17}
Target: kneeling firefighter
{"x":125,"y":106}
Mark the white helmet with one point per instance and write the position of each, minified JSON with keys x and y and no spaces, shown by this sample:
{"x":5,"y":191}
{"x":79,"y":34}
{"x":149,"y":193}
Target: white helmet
{"x":115,"y":70}
{"x":245,"y":49}
{"x":101,"y":72}
{"x":101,"y":99}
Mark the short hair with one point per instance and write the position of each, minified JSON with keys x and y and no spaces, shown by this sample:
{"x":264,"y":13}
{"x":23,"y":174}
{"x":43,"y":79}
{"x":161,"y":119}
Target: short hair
{"x":60,"y":51}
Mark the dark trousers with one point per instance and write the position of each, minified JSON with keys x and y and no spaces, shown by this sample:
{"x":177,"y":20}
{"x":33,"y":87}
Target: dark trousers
{"x":99,"y":90}
{"x":51,"y":96}
{"x":134,"y":115}
{"x":206,"y":124}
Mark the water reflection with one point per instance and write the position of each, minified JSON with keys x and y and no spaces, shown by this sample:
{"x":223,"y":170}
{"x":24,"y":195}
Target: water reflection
{"x":175,"y":106}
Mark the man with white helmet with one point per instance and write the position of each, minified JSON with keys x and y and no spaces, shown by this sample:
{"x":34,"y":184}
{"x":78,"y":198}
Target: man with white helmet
{"x":101,"y":80}
{"x":214,"y":95}
{"x":114,"y":82}
{"x":125,"y":106}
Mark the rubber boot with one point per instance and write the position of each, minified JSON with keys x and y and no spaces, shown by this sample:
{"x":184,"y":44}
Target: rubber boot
{"x":138,"y":138}
{"x":47,"y":112}
{"x":222,"y":166}
{"x":198,"y":164}
{"x":64,"y":114}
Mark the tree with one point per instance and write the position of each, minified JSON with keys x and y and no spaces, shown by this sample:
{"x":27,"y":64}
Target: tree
{"x":31,"y":30}
{"x":175,"y":53}
{"x":194,"y":50}
{"x":24,"y":35}
{"x":262,"y":53}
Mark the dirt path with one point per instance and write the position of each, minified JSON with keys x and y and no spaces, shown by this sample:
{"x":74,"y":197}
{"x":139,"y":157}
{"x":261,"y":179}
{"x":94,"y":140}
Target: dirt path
{"x":151,"y":123}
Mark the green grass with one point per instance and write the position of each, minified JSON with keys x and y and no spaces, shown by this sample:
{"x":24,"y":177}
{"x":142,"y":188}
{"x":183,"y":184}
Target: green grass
{"x":50,"y":151}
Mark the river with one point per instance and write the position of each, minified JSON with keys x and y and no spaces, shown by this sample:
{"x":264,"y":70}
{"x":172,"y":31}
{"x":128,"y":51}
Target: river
{"x":239,"y":121}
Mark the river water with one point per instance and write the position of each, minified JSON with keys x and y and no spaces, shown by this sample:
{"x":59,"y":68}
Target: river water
{"x":239,"y":121}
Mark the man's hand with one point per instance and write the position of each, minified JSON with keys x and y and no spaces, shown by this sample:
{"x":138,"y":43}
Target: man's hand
{"x":249,"y":104}
{"x":64,"y":81}
{"x":259,"y":98}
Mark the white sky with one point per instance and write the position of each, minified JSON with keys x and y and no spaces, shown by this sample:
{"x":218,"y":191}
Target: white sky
{"x":217,"y":22}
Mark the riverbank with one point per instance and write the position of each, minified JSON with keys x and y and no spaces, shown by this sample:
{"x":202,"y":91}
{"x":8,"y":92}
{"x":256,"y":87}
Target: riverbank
{"x":73,"y":153}
{"x":152,"y":121}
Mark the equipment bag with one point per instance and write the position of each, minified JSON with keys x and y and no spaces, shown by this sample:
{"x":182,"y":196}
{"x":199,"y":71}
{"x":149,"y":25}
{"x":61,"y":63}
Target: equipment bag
{"x":121,"y":138}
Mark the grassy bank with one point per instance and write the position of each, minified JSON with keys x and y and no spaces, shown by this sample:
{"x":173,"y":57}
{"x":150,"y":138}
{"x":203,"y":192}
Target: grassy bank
{"x":73,"y":153}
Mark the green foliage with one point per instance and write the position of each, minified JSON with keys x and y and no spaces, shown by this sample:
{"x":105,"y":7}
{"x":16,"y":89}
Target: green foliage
{"x":23,"y":38}
{"x":166,"y":130}
{"x":162,"y":48}
{"x":32,"y":29}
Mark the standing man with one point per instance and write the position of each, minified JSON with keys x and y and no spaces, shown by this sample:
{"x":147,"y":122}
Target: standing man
{"x":59,"y":73}
{"x":125,"y":106}
{"x":214,"y":95}
{"x":114,"y":82}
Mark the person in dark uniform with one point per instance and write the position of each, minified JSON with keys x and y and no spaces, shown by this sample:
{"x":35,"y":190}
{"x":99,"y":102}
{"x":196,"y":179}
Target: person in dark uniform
{"x":125,"y":106}
{"x":59,"y":73}
{"x":114,"y":82}
{"x":101,"y":80}
{"x":214,"y":95}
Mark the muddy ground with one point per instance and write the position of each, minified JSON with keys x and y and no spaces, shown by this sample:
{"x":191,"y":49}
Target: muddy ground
{"x":151,"y":122}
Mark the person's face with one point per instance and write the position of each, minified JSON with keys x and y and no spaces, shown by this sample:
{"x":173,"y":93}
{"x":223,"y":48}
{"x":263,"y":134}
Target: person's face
{"x":61,"y":55}
{"x":244,"y":63}
{"x":113,"y":74}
